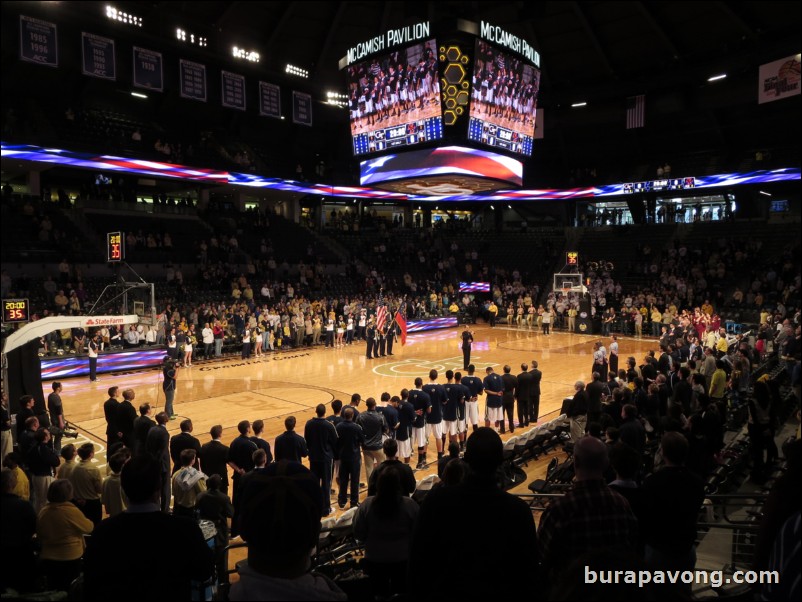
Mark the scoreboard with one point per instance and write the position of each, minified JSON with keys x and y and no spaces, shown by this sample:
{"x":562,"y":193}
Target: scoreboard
{"x":659,"y":185}
{"x":115,"y":247}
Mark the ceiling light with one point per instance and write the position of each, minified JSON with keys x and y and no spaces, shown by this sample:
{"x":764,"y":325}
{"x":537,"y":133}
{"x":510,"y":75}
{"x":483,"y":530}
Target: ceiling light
{"x":293,"y":70}
{"x":139,"y":94}
{"x":717,"y":77}
{"x":579,"y":104}
{"x":764,"y":193}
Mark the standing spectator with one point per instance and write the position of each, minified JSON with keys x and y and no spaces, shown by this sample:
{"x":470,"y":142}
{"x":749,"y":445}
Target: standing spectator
{"x":142,"y":425}
{"x":385,"y":522}
{"x":321,"y":439}
{"x":188,"y":483}
{"x":589,"y":517}
{"x":350,"y":442}
{"x":508,"y":398}
{"x":674,"y":496}
{"x":215,"y":506}
{"x":110,"y":407}
{"x":112,"y":497}
{"x":507,"y":548}
{"x":374,"y":427}
{"x":169,"y":385}
{"x":56,"y":418}
{"x":60,"y":529}
{"x":17,"y":528}
{"x":577,"y":411}
{"x":281,"y":523}
{"x":258,"y":427}
{"x":207,"y":335}
{"x":180,"y":442}
{"x":157,"y":446}
{"x":240,"y":459}
{"x":88,"y":484}
{"x":214,"y":458}
{"x":6,"y":440}
{"x":126,"y":415}
{"x":290,"y":445}
{"x":174,"y":544}
{"x":42,"y":462}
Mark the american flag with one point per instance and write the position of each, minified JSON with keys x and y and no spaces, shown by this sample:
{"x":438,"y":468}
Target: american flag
{"x":381,"y":313}
{"x":636,"y":111}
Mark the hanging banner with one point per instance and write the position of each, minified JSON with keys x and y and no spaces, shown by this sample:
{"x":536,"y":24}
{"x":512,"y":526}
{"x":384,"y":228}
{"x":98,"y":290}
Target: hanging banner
{"x":269,"y":100}
{"x":38,"y":41}
{"x":148,"y":71}
{"x":233,"y":90}
{"x":192,"y":80}
{"x":301,"y":108}
{"x":778,"y":79}
{"x":98,"y":56}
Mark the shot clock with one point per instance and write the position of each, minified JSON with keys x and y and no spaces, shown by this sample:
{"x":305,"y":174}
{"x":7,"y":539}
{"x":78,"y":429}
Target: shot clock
{"x":16,"y":311}
{"x":115,"y":246}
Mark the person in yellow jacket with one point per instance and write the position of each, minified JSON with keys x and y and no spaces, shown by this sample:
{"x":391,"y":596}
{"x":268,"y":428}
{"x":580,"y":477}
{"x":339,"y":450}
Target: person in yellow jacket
{"x":718,"y":382}
{"x":492,"y":311}
{"x":60,"y":529}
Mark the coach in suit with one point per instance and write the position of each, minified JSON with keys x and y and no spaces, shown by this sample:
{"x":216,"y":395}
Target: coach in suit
{"x":534,"y":393}
{"x":157,"y":444}
{"x":508,"y":397}
{"x":321,"y":439}
{"x":126,"y":414}
{"x":523,"y":395}
{"x":214,"y":457}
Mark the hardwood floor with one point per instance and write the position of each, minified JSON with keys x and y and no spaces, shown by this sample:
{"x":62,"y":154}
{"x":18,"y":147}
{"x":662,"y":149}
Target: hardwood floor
{"x":293,"y":382}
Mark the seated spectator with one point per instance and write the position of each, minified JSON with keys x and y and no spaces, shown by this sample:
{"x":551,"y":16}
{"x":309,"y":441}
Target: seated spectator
{"x":591,"y":516}
{"x":384,"y":523}
{"x":503,"y":545}
{"x":60,"y":529}
{"x":173,"y":545}
{"x":280,"y":520}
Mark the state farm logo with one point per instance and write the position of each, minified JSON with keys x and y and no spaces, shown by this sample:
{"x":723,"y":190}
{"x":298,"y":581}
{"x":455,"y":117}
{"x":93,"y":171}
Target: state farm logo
{"x":104,"y":321}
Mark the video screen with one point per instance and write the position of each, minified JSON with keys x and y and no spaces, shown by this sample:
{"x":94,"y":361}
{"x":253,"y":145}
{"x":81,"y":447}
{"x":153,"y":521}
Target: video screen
{"x":394,"y":99}
{"x":504,"y":100}
{"x":447,"y":160}
{"x":474,"y":287}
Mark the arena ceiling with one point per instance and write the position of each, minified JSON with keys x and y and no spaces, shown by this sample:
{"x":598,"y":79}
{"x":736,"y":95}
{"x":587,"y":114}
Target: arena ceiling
{"x":589,"y":49}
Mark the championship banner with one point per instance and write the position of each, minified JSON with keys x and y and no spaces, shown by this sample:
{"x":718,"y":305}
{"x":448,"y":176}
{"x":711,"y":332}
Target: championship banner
{"x":301,"y":108}
{"x":778,"y":79}
{"x":98,"y":56}
{"x":269,"y":100}
{"x":192,"y":80}
{"x":148,"y":69}
{"x":38,"y":41}
{"x":233,"y":90}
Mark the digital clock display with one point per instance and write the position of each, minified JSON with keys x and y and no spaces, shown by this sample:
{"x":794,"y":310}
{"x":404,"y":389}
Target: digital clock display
{"x":114,"y":246}
{"x":16,"y":310}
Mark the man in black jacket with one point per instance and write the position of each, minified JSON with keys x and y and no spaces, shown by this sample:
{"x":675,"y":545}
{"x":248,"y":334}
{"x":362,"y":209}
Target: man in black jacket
{"x":126,"y":414}
{"x":173,"y":544}
{"x":214,"y":457}
{"x":289,"y":444}
{"x":373,"y":427}
{"x":350,"y":442}
{"x":508,"y":398}
{"x":180,"y":442}
{"x":534,"y":399}
{"x":595,"y":391}
{"x":523,"y":393}
{"x":157,"y":445}
{"x":321,"y":440}
{"x":142,"y":425}
{"x":110,"y":406}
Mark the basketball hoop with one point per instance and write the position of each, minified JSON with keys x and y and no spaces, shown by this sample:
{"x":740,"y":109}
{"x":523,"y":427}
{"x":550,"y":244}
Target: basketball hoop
{"x":566,"y":291}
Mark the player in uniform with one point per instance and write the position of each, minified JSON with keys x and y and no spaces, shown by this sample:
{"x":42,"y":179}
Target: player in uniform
{"x":475,"y":388}
{"x":494,"y":389}
{"x":422,"y":404}
{"x":434,"y":419}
